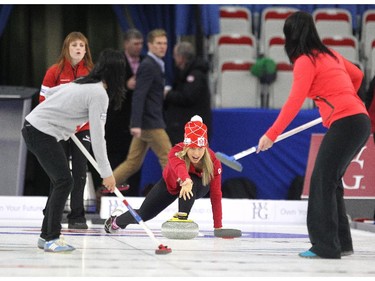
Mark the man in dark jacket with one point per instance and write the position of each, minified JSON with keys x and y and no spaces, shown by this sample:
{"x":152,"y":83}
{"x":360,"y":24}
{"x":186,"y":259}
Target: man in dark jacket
{"x":147,"y":124}
{"x":190,"y":94}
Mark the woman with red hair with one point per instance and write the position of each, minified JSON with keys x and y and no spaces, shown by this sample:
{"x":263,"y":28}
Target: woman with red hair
{"x":74,"y":61}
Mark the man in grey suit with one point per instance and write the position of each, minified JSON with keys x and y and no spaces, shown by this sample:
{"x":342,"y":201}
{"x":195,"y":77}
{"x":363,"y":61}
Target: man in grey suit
{"x":147,"y":123}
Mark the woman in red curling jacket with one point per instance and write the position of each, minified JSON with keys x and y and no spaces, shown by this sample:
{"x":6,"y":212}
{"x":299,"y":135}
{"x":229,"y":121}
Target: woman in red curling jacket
{"x":191,"y":172}
{"x":332,"y":82}
{"x":75,"y":61}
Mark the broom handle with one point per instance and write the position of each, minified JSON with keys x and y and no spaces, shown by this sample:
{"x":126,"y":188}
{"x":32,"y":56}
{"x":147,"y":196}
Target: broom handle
{"x":117,"y":192}
{"x":281,"y":137}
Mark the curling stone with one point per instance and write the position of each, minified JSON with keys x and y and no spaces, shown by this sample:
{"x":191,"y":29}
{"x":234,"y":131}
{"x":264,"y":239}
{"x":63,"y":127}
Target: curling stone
{"x":180,"y":229}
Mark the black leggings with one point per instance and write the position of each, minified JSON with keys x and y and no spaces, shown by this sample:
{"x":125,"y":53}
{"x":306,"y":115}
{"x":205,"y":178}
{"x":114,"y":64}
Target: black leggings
{"x":79,"y":173}
{"x":159,"y":198}
{"x":327,"y":221}
{"x":52,"y":158}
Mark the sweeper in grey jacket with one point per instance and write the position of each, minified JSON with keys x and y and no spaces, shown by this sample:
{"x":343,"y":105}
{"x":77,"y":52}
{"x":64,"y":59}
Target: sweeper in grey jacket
{"x":66,"y":108}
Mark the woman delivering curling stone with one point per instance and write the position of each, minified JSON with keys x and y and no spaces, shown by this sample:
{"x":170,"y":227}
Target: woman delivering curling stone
{"x":191,"y":172}
{"x":66,"y":107}
{"x":332,"y":82}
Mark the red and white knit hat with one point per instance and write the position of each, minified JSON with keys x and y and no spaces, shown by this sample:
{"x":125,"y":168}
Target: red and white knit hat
{"x":195,"y":133}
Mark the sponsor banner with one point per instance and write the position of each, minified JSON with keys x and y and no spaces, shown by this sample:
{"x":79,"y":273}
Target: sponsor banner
{"x":22,"y":207}
{"x":235,"y":211}
{"x":359,"y":179}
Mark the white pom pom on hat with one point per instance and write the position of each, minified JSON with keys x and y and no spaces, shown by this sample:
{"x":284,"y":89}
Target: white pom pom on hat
{"x":196,"y":118}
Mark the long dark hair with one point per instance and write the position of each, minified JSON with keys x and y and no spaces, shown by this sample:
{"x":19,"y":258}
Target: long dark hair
{"x":110,"y":69}
{"x":301,"y":37}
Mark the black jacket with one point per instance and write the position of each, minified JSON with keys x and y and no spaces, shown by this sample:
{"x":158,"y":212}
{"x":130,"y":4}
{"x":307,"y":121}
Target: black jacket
{"x":148,"y":96}
{"x":190,"y":95}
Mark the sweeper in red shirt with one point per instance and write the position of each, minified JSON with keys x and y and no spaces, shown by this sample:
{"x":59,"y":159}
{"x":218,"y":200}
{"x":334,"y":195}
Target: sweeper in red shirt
{"x":332,"y":82}
{"x":191,"y":172}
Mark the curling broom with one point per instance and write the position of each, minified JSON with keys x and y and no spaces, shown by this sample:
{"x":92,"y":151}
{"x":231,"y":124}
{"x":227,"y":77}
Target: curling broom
{"x":231,"y":161}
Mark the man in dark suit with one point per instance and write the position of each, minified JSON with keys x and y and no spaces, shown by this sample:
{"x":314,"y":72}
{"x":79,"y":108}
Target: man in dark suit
{"x":147,"y":123}
{"x":117,"y":130}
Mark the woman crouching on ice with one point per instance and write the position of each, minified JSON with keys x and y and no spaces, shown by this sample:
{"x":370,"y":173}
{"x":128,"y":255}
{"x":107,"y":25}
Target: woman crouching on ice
{"x":192,"y":171}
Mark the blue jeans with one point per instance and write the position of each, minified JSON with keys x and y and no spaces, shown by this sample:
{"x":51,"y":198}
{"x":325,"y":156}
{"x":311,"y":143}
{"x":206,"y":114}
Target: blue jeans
{"x":52,"y":158}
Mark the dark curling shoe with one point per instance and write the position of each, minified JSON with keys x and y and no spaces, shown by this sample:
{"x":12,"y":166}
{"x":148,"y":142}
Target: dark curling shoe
{"x":78,"y":225}
{"x":347,"y":253}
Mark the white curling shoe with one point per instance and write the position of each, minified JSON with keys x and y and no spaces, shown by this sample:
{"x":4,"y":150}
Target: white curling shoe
{"x":58,"y":245}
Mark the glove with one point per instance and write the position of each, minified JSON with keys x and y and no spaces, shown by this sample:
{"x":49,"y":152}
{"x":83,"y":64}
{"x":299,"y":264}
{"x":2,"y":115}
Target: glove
{"x":227,"y":232}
